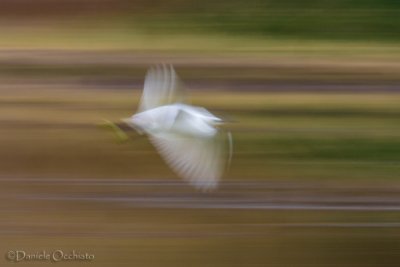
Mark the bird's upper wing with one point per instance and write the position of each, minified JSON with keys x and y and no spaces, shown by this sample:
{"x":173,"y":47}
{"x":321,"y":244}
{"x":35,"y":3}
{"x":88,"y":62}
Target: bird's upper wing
{"x":200,"y":161}
{"x":161,"y":87}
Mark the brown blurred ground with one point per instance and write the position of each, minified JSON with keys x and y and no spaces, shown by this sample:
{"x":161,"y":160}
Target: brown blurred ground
{"x":314,"y":179}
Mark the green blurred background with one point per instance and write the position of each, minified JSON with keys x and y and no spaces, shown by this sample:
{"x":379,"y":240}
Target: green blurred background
{"x":311,"y":93}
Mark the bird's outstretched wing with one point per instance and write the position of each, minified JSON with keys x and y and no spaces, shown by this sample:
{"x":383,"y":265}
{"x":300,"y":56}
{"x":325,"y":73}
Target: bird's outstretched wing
{"x":161,"y":87}
{"x":200,"y":161}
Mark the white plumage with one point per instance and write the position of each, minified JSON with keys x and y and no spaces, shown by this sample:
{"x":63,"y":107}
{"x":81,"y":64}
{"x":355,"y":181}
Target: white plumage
{"x":186,"y":136}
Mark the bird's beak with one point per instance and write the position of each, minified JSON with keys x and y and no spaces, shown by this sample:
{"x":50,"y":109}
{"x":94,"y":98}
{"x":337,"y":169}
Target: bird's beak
{"x":119,"y":133}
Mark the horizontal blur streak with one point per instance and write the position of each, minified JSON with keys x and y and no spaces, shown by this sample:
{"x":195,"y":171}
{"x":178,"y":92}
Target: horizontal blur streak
{"x":310,"y":90}
{"x":342,"y":19}
{"x":126,"y":70}
{"x":258,"y":195}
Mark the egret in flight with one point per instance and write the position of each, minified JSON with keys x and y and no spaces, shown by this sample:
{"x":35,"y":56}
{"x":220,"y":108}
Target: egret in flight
{"x":187,"y":137}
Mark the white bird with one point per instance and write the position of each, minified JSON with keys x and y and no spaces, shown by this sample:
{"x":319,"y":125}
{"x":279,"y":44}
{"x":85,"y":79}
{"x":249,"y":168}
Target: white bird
{"x":186,"y":136}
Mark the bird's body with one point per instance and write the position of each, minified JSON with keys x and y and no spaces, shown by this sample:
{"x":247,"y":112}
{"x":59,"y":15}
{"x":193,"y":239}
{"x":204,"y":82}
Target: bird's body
{"x":186,"y":136}
{"x":176,"y":118}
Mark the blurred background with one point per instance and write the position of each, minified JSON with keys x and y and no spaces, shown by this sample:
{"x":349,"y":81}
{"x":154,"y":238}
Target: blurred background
{"x":312,"y":90}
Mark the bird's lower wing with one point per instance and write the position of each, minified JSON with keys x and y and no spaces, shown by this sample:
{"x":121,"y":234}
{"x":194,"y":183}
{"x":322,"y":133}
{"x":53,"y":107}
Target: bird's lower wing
{"x":200,"y":161}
